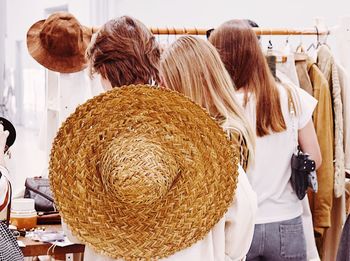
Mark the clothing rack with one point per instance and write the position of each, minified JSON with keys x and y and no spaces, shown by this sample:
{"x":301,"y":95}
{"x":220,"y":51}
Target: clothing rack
{"x":258,"y":31}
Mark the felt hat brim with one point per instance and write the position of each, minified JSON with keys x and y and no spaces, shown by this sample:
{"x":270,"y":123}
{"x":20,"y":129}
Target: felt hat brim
{"x":62,"y":64}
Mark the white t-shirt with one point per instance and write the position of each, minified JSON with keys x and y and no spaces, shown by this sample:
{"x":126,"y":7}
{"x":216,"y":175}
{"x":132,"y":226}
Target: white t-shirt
{"x":229,"y":240}
{"x":271,"y":172}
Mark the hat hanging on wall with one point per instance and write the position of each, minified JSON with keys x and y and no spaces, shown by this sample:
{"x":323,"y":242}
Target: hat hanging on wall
{"x":59,"y":43}
{"x":141,"y":172}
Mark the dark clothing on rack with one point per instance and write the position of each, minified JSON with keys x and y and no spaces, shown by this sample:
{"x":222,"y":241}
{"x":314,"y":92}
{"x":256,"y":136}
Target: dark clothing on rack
{"x":344,"y":246}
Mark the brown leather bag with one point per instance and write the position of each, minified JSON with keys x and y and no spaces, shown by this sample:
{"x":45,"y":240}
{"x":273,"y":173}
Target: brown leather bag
{"x":49,"y":218}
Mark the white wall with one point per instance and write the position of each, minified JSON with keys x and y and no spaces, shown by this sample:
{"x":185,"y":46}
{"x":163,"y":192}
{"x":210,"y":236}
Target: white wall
{"x":211,"y":13}
{"x":268,"y":13}
{"x":29,"y":88}
{"x":180,"y":13}
{"x":22,"y":14}
{"x":2,"y":45}
{"x":27,"y":159}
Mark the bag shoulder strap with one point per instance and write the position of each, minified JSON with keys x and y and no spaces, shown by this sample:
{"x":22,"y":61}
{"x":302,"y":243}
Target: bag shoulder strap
{"x":40,"y":193}
{"x":293,"y":111}
{"x":6,"y":201}
{"x":9,"y":205}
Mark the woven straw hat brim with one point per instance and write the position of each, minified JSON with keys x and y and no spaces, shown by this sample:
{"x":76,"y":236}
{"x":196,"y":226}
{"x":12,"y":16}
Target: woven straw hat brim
{"x":199,"y":197}
{"x":62,"y":64}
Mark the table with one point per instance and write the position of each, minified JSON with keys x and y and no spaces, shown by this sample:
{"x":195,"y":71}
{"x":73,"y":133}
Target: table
{"x":35,"y":248}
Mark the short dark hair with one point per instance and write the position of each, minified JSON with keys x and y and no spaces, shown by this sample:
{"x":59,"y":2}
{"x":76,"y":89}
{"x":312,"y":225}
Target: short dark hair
{"x":124,"y":52}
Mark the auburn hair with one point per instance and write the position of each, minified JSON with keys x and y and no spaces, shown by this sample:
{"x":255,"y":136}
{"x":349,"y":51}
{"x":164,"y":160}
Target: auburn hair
{"x":124,"y":52}
{"x":240,"y":51}
{"x":192,"y":66}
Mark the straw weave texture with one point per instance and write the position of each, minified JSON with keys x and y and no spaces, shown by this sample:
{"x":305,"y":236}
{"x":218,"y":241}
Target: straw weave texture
{"x":140,"y":173}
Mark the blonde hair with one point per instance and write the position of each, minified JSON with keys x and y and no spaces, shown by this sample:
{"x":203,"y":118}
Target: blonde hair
{"x":193,"y":67}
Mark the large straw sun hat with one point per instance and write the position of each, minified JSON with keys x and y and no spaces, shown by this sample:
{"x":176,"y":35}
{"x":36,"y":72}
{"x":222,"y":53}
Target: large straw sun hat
{"x":141,"y":172}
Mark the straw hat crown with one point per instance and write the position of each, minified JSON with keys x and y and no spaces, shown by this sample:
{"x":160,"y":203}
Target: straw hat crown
{"x":137,"y":171}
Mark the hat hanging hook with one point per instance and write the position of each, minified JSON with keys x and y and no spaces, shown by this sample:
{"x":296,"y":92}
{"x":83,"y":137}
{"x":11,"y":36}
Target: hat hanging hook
{"x":168,"y":36}
{"x":300,"y":47}
{"x":287,"y":38}
{"x":158,"y":36}
{"x":270,"y":46}
{"x":326,"y":35}
{"x":318,"y":37}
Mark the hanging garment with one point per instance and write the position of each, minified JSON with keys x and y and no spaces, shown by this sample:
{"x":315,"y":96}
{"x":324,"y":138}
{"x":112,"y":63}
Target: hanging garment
{"x":347,"y":197}
{"x":321,"y":202}
{"x":325,"y":62}
{"x":303,"y":74}
{"x":288,"y":68}
{"x":345,"y":94}
{"x":344,"y":246}
{"x":332,"y":235}
{"x":271,"y":62}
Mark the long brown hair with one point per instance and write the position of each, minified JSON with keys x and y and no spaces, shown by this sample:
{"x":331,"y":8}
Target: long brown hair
{"x":193,"y":67}
{"x":241,"y":53}
{"x":124,"y":52}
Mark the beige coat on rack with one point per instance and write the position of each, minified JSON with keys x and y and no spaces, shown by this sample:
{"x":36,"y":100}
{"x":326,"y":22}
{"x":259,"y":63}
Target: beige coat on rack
{"x":327,"y":65}
{"x":342,"y":35}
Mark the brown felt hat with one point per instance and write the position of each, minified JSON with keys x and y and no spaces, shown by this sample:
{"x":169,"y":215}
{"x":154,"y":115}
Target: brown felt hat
{"x":59,"y":43}
{"x":141,"y":172}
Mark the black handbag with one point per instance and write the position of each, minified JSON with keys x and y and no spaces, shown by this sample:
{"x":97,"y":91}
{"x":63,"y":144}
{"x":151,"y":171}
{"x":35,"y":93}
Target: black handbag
{"x":303,"y":173}
{"x":38,"y":188}
{"x":9,"y":249}
{"x":303,"y":168}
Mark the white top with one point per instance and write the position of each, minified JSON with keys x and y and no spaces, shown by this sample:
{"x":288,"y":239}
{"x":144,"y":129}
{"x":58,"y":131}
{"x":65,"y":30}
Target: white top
{"x":229,"y":240}
{"x":271,"y":172}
